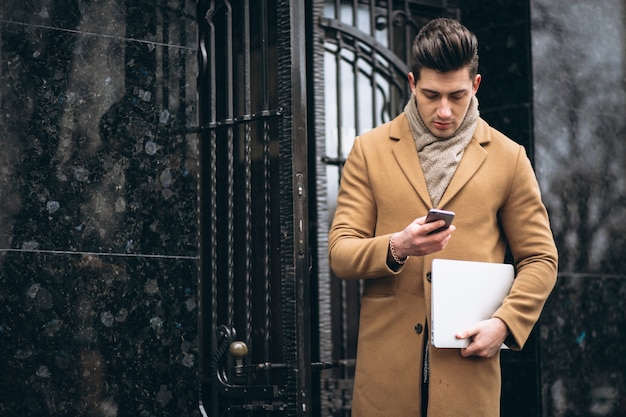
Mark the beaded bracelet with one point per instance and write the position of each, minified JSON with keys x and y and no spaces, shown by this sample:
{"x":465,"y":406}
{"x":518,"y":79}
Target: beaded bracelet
{"x":393,"y":253}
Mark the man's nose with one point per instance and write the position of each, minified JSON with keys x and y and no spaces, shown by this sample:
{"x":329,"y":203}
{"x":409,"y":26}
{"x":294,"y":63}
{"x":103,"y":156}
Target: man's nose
{"x":444,"y":110}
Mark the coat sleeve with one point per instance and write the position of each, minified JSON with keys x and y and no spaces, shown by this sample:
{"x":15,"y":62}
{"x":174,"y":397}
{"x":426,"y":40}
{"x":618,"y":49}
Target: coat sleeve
{"x":355,"y":251}
{"x":524,"y":220}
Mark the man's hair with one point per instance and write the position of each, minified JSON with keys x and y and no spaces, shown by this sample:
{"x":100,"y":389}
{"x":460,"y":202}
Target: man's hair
{"x":445,"y":45}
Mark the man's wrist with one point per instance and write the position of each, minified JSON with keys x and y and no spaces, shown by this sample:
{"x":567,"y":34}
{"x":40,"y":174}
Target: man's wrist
{"x":392,"y":250}
{"x":504,"y":327}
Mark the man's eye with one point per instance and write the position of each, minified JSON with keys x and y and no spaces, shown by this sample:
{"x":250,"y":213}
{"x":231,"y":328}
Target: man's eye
{"x":456,"y":96}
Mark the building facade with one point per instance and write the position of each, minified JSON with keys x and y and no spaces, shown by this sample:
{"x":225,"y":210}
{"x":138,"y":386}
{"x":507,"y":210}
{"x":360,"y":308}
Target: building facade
{"x":169,"y":172}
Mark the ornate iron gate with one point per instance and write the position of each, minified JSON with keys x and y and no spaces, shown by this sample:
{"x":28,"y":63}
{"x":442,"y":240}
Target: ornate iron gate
{"x":255,"y":341}
{"x":263,"y":64}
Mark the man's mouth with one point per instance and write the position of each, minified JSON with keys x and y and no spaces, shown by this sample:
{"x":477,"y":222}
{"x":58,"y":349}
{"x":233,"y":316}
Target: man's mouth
{"x":442,"y":125}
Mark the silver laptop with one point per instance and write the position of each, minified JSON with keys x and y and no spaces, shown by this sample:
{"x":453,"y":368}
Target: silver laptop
{"x":464,"y":293}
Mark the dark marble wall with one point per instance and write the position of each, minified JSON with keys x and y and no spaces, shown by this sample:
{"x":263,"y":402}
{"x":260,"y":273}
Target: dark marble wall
{"x":580,"y":135}
{"x":505,"y":93}
{"x":98,"y":208}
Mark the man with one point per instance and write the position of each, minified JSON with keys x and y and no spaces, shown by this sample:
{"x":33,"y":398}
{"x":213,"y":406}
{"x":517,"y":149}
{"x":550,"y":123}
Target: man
{"x":437,"y":153}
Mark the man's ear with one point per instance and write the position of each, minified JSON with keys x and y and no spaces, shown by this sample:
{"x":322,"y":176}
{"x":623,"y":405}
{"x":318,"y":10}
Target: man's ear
{"x":412,"y":82}
{"x":411,"y":78}
{"x":476,"y":83}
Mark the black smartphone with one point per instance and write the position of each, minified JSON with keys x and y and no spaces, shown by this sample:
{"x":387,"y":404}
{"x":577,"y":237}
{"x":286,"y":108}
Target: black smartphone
{"x":436,"y":214}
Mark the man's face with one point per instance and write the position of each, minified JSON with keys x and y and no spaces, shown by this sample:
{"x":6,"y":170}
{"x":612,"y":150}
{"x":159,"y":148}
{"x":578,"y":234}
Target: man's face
{"x":443,"y":98}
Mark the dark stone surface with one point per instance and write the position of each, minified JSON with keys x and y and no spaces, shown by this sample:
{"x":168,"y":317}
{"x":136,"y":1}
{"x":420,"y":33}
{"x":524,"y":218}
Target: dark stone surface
{"x":98,"y":209}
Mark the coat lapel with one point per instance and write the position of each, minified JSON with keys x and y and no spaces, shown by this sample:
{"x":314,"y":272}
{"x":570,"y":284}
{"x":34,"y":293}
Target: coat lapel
{"x":406,"y":155}
{"x":473,"y":157}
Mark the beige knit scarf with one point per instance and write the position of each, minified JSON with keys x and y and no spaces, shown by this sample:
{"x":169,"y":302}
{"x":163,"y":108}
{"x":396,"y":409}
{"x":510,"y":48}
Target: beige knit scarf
{"x":440,"y":157}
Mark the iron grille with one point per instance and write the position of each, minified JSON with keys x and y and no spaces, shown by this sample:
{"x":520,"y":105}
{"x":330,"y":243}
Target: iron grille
{"x":253,"y":210}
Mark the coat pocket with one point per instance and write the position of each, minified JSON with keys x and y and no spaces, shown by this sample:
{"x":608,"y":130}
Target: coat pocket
{"x":380,"y":287}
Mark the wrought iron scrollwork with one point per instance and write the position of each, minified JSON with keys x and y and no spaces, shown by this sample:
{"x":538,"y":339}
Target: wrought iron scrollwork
{"x":232,"y":375}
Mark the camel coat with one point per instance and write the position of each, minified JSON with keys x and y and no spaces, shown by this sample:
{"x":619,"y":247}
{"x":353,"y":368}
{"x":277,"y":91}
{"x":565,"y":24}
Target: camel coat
{"x":497,"y":202}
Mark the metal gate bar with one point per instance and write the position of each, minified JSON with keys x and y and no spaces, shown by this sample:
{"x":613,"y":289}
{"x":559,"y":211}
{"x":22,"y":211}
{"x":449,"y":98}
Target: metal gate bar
{"x":251,"y":267}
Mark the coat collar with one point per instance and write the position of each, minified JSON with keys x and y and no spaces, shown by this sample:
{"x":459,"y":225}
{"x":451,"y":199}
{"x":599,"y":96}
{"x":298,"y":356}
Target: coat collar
{"x":406,"y":155}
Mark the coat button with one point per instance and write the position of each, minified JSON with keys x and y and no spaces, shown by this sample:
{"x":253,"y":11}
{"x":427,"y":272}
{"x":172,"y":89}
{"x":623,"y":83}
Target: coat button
{"x":429,"y":276}
{"x":419,"y":328}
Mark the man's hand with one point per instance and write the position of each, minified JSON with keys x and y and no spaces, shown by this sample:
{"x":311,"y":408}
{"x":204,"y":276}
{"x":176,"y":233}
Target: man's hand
{"x":415,"y":240}
{"x":486,"y":338}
